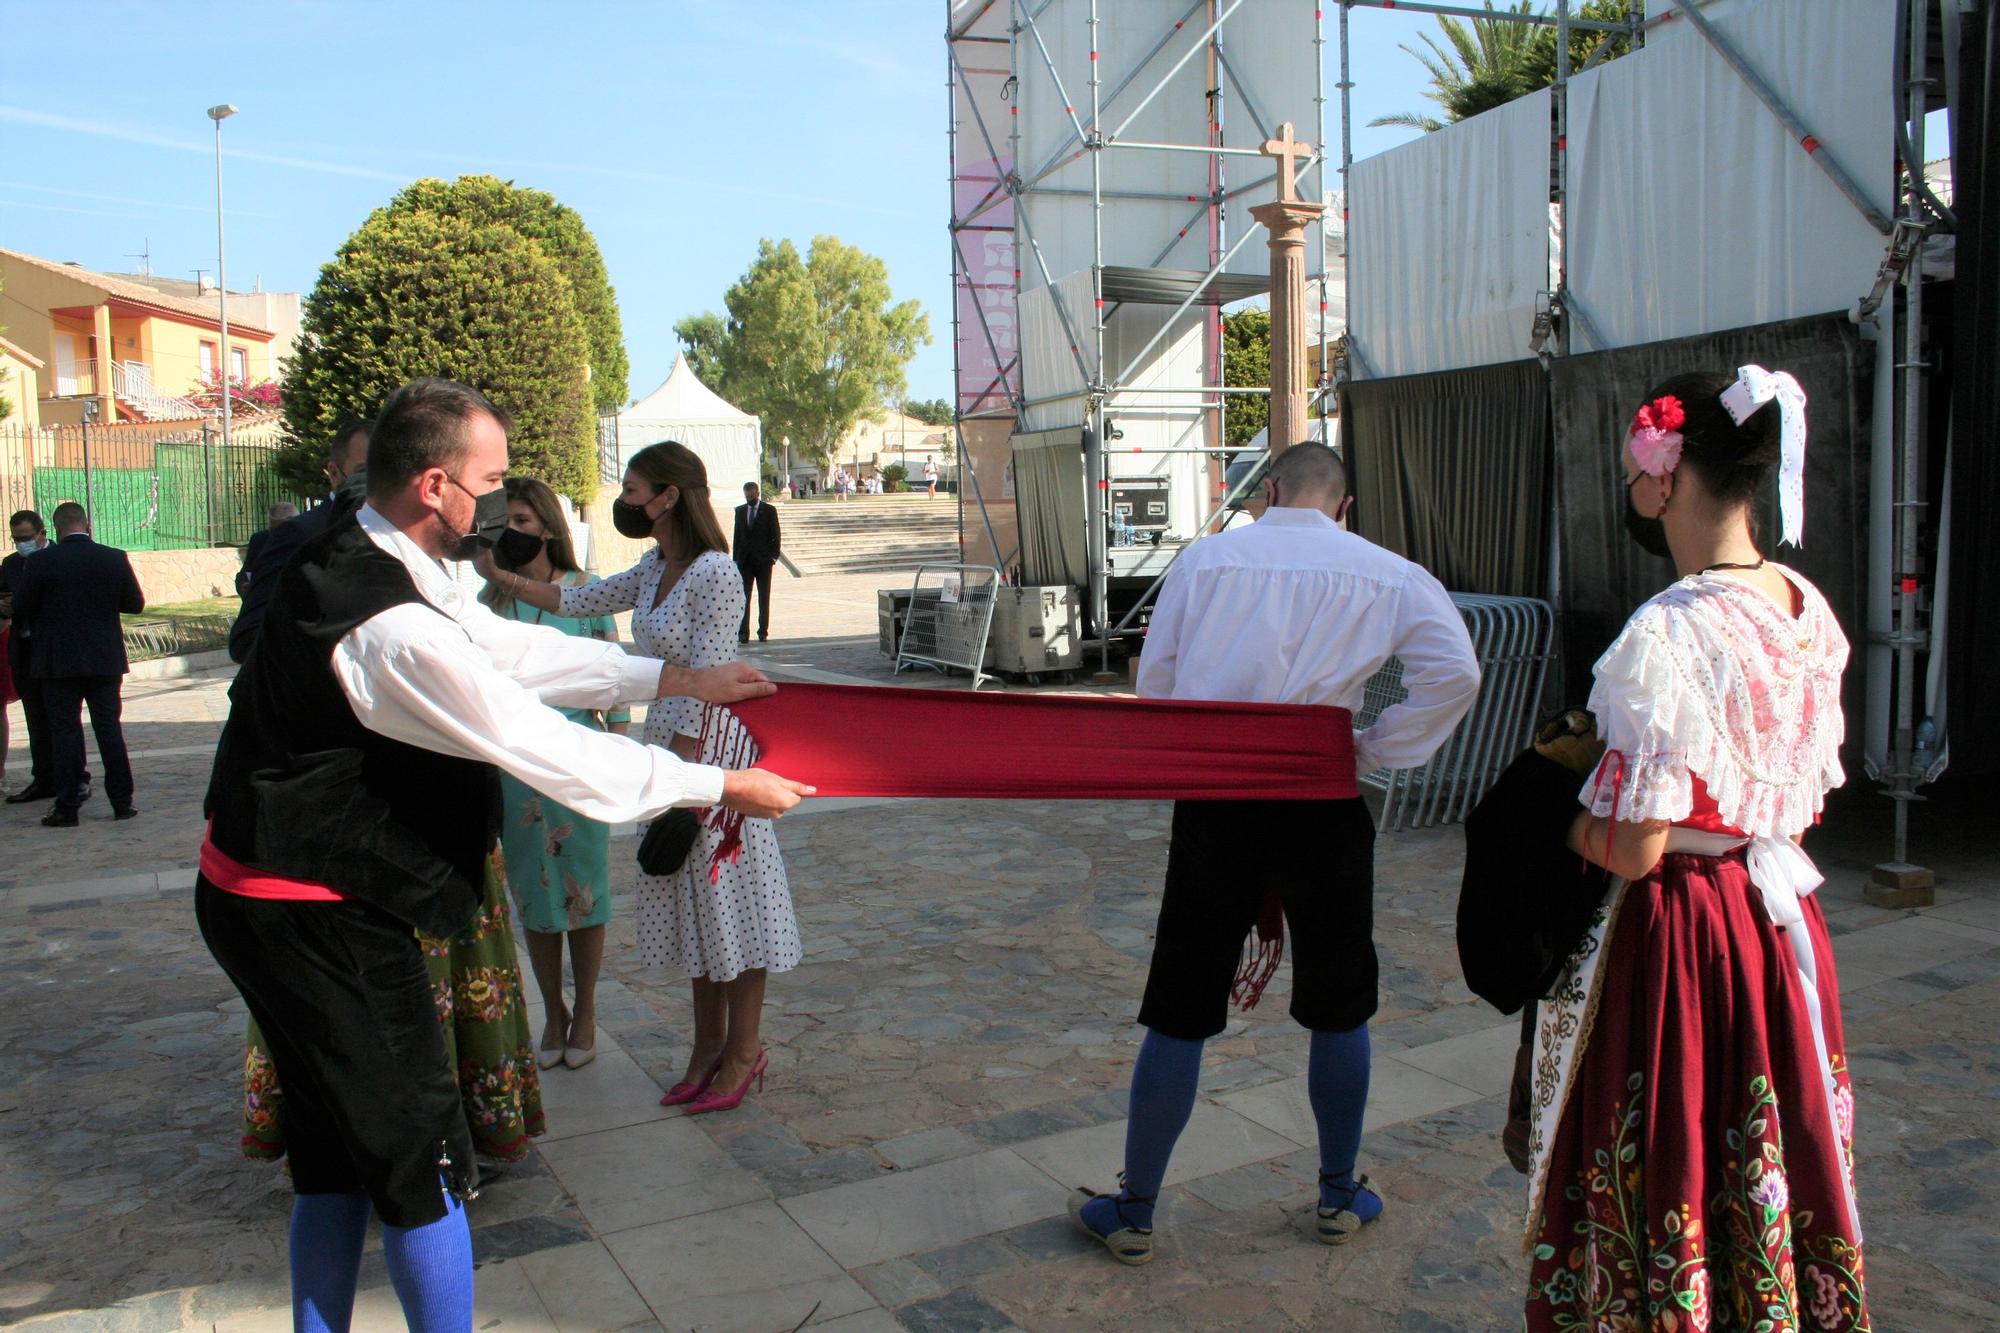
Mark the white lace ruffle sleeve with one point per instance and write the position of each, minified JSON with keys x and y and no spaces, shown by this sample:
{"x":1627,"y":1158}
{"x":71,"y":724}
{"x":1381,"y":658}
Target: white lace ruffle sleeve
{"x":1636,"y":697}
{"x":1712,"y":680}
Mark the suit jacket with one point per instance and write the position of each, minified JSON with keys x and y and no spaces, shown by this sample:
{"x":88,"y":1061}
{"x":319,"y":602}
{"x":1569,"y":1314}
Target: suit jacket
{"x":266,"y":559}
{"x":70,"y":599}
{"x":12,"y":569}
{"x":756,"y":544}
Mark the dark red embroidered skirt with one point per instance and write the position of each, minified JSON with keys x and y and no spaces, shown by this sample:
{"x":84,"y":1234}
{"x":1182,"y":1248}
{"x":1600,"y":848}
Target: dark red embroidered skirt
{"x":1695,"y":1179}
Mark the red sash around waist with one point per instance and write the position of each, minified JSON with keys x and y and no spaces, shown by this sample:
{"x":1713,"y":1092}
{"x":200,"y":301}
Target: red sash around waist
{"x":230,"y":875}
{"x":850,"y":740}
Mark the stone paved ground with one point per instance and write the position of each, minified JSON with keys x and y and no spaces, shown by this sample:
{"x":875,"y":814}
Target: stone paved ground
{"x":948,"y":1060}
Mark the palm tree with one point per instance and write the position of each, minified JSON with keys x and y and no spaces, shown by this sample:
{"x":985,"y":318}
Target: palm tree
{"x":1484,"y":66}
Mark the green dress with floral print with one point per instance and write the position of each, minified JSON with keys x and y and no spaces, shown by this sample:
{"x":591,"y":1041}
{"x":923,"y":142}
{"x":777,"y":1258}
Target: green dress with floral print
{"x":558,"y":862}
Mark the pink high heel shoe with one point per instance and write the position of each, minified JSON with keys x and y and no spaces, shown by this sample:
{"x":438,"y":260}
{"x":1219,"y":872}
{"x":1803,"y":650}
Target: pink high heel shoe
{"x":684,"y":1091}
{"x":729,"y":1101}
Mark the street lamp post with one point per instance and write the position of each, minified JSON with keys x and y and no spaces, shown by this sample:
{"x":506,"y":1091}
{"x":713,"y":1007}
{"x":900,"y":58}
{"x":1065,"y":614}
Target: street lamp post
{"x":218,"y":114}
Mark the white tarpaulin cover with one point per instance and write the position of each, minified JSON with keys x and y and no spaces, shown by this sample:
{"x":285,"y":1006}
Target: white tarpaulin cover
{"x":1144,"y":415}
{"x":1272,"y":77}
{"x":729,"y":440}
{"x":1691,"y":208}
{"x":1448,"y":239}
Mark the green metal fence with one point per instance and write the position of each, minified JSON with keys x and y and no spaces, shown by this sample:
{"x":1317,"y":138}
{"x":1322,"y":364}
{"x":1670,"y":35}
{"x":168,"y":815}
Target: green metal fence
{"x":176,"y":490}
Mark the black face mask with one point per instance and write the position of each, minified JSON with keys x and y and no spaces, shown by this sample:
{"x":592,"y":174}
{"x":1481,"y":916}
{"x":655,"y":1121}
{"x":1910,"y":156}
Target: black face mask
{"x":489,"y":520}
{"x":630,"y":520}
{"x":1650,"y":533}
{"x":516,"y":548}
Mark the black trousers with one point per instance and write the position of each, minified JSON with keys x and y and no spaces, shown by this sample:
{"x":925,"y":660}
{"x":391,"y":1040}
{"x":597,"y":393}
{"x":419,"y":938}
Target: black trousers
{"x":65,"y":698}
{"x":759,"y":575}
{"x":41,"y":762}
{"x":1224,"y":857}
{"x":341,"y":993}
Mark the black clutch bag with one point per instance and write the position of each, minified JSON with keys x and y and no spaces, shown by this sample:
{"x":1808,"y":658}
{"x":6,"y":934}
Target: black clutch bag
{"x":669,"y":839}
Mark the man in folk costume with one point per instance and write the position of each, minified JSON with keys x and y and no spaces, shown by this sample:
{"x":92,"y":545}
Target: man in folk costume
{"x":353,"y":802}
{"x":1291,"y":609}
{"x":1693,"y":1120}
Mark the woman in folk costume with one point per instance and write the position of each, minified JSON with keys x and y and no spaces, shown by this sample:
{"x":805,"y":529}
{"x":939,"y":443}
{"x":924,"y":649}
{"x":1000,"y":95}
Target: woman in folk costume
{"x":1693,"y":1118}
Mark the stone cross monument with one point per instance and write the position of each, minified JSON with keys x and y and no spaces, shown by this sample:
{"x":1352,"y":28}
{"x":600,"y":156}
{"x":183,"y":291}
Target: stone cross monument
{"x":1286,"y":218}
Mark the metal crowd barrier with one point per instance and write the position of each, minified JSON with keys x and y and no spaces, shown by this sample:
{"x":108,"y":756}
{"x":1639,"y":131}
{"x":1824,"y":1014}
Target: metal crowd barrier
{"x":949,"y":618}
{"x":1514,"y":639}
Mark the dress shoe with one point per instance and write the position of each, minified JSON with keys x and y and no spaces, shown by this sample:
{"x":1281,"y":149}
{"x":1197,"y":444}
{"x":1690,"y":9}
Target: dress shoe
{"x":34,"y":791}
{"x":59,"y":819}
{"x":685,"y":1091}
{"x":729,"y":1101}
{"x":127,"y":813}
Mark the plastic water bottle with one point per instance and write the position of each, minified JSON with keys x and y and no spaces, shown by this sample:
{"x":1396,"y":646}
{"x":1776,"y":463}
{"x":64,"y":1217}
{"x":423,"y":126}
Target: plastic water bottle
{"x":1924,"y":754}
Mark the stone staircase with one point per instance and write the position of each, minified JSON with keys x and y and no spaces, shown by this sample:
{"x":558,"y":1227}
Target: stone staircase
{"x":869,"y":533}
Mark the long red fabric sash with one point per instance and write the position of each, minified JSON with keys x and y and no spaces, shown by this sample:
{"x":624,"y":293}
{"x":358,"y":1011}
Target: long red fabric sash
{"x":853,"y":740}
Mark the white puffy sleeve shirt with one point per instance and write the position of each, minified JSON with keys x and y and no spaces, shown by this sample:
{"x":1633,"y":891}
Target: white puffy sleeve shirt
{"x":472,"y":684}
{"x":1293,"y":609}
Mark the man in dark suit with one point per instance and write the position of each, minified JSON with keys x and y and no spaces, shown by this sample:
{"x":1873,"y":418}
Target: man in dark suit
{"x":71,"y":598}
{"x":280,"y":514}
{"x":756,"y":548}
{"x":346,"y":458}
{"x":30,"y":538}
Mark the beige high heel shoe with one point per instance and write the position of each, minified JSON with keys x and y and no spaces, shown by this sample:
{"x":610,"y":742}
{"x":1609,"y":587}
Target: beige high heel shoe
{"x":547,"y":1056}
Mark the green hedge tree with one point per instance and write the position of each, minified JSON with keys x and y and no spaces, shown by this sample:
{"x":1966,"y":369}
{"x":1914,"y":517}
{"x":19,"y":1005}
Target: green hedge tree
{"x":1246,"y":364}
{"x":416,"y":292}
{"x":485,"y":200}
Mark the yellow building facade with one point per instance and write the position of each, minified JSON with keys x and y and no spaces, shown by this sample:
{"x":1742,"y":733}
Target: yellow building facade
{"x":135,"y":352}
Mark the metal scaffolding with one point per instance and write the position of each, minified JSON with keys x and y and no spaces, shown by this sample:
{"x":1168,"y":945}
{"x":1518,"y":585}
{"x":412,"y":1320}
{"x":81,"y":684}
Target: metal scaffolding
{"x":1106,"y":74}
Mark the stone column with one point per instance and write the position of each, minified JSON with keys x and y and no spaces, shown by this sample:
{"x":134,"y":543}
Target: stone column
{"x":1287,"y":220}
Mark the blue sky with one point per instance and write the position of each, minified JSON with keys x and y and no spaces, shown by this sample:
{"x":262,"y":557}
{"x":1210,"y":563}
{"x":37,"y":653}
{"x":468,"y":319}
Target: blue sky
{"x":682,"y":132}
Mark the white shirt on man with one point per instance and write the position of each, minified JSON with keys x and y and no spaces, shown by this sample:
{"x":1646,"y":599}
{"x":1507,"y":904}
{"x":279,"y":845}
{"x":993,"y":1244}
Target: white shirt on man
{"x":1294,"y":609}
{"x":479,"y":686}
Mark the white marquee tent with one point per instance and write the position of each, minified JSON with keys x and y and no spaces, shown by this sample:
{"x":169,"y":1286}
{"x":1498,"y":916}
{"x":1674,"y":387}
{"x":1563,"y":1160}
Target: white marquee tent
{"x":730,"y":441}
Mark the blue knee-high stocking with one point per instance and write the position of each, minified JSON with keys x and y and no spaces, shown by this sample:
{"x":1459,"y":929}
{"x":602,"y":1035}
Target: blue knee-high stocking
{"x":431,"y":1269}
{"x":327,"y":1231}
{"x":1163,"y":1090}
{"x":1337,"y":1084}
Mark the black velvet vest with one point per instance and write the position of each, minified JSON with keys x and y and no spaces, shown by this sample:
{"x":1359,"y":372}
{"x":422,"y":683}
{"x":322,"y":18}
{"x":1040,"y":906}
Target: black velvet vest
{"x":301,"y":789}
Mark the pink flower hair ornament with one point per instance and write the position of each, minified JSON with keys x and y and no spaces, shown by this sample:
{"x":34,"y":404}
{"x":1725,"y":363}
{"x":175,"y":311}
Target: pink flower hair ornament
{"x":1655,"y":440}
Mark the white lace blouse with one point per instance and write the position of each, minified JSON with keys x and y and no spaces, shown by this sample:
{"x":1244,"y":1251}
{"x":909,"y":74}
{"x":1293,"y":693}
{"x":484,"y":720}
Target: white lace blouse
{"x":1713,"y":680}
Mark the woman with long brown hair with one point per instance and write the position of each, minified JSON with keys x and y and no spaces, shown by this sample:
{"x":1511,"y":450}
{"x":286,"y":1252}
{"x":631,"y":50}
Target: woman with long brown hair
{"x":730,"y":931}
{"x":558,"y":862}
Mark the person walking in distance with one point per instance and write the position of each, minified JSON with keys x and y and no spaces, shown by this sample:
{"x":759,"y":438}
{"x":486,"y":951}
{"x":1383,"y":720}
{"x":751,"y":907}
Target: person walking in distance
{"x":71,"y":597}
{"x":756,"y":545}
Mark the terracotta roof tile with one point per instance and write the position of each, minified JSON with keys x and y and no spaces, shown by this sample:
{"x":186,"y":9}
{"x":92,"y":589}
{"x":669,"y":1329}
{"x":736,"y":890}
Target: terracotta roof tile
{"x":137,"y":293}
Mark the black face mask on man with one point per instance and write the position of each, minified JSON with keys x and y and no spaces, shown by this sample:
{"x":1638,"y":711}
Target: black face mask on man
{"x":489,"y":520}
{"x":630,"y":520}
{"x":516,"y":548}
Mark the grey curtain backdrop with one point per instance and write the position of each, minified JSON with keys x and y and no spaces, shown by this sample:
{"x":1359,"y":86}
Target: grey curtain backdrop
{"x":1452,"y":470}
{"x":1049,"y":505}
{"x":1604,"y":575}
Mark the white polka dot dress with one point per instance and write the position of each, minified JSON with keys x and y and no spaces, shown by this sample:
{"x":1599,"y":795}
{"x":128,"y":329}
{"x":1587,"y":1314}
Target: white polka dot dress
{"x":744,"y":919}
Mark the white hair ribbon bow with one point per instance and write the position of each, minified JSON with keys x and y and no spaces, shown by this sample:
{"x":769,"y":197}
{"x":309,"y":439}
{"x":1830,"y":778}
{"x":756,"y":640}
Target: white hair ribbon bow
{"x":1754,"y":387}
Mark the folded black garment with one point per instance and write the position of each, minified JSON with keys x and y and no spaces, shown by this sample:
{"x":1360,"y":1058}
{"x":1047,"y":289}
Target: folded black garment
{"x":1526,"y":899}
